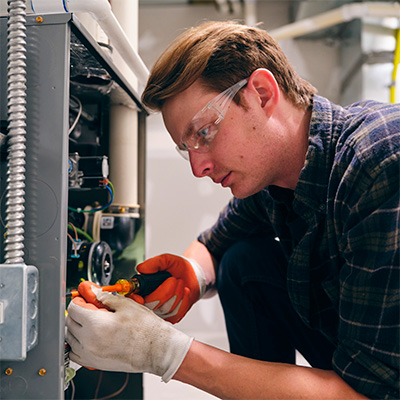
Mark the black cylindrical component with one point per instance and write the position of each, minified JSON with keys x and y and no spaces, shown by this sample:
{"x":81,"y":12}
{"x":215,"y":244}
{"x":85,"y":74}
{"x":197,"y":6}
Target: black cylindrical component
{"x":148,"y":283}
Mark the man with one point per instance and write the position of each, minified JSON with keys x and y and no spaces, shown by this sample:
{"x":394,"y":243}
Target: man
{"x":305,"y":256}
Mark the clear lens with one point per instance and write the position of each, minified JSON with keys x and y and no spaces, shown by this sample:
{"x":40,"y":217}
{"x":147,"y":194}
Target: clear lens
{"x":202,"y":137}
{"x":183,"y":153}
{"x":204,"y":125}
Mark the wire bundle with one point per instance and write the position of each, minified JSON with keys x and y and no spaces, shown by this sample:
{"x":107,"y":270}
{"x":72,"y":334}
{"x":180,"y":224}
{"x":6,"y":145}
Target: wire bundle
{"x":109,"y":186}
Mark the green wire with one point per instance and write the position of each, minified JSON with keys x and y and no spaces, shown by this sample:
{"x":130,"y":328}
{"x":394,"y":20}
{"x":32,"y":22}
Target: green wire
{"x":81,"y":232}
{"x":112,"y":187}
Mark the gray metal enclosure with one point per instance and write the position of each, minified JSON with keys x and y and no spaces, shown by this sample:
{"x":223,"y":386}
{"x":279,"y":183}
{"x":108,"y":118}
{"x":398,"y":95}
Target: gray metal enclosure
{"x":41,"y":374}
{"x":46,"y":202}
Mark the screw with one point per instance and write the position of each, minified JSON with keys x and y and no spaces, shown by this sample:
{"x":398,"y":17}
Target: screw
{"x":107,"y":267}
{"x":42,"y":372}
{"x":8,"y":371}
{"x":39,"y":20}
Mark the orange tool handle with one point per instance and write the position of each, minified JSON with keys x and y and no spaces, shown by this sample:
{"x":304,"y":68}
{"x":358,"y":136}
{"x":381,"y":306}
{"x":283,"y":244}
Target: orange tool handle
{"x":73,"y":293}
{"x":123,"y":286}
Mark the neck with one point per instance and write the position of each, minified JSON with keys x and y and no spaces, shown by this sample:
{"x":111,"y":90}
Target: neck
{"x":296,"y":122}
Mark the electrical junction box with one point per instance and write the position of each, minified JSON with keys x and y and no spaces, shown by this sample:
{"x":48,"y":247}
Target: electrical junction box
{"x":18,"y":310}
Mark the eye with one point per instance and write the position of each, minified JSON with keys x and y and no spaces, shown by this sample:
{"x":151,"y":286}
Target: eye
{"x":207,"y":133}
{"x":183,"y":147}
{"x":204,"y":133}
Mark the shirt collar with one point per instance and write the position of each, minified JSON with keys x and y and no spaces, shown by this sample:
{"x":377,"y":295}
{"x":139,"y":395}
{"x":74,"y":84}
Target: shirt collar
{"x":312,"y":186}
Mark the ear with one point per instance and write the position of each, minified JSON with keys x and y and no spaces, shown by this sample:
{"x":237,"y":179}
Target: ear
{"x":263,"y":82}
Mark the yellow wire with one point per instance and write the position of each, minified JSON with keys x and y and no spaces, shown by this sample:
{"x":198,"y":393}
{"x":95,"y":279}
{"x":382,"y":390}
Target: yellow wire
{"x":396,"y":61}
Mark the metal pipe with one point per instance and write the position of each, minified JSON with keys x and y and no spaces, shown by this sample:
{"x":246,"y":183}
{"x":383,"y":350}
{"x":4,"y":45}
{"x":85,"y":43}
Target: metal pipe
{"x":344,"y":13}
{"x":250,"y":12}
{"x":124,"y":120}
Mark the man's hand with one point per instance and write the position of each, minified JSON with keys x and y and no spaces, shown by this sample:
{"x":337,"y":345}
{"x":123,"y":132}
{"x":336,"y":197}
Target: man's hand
{"x":174,"y":297}
{"x":85,"y":290}
{"x":128,"y":338}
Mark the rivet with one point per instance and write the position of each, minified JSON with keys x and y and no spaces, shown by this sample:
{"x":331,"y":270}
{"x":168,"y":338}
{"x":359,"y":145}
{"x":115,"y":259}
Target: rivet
{"x":39,"y":20}
{"x":8,"y":371}
{"x":42,"y":372}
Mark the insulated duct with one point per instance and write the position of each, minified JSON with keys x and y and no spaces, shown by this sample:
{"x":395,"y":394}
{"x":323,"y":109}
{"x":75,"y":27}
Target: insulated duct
{"x":339,"y":15}
{"x":101,"y":11}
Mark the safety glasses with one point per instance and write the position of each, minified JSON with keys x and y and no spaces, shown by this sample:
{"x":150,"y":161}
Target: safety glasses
{"x":205,"y":124}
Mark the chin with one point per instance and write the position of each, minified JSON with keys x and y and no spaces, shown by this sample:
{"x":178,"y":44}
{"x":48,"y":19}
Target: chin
{"x":242,"y":194}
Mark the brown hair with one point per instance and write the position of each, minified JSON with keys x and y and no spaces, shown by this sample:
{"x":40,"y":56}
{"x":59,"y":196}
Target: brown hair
{"x":221,"y":54}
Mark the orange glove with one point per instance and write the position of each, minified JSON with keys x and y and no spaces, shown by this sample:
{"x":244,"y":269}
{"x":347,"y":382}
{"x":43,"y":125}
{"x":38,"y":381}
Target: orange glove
{"x":174,"y":297}
{"x":80,"y":301}
{"x":88,"y":296}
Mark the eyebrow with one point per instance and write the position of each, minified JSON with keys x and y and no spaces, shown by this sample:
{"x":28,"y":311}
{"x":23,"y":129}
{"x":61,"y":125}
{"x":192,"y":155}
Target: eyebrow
{"x":188,"y":131}
{"x":191,"y":128}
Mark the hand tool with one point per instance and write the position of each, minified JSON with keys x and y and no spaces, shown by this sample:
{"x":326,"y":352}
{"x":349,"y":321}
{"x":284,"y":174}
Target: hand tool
{"x":142,"y":284}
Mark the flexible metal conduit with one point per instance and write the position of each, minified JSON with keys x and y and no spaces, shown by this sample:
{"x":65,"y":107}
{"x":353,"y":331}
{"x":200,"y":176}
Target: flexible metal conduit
{"x":16,"y":95}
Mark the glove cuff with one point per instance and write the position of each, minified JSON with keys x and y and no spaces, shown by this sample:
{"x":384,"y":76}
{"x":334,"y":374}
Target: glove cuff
{"x":200,"y":275}
{"x":175,"y":354}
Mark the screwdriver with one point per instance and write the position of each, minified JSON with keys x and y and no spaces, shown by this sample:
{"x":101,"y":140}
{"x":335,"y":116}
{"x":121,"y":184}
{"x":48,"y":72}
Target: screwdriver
{"x":142,"y":284}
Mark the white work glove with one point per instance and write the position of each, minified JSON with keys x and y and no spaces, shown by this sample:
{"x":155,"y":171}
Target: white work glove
{"x":128,"y":338}
{"x":174,"y":297}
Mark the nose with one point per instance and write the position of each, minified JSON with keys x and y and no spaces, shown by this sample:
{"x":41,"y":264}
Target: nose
{"x":201,"y":164}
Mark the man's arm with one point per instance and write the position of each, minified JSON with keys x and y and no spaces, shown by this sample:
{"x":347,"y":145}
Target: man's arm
{"x":198,"y":252}
{"x":229,"y":376}
{"x":154,"y":345}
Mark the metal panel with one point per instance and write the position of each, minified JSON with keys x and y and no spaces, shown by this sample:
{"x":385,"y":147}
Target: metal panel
{"x":40,"y":376}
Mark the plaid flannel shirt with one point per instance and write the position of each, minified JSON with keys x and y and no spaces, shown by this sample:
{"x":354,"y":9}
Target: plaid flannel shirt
{"x":340,"y":232}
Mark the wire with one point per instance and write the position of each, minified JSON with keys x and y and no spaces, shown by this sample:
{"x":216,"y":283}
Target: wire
{"x":72,"y":127}
{"x":96,"y":393}
{"x":73,"y":390}
{"x":81,"y":232}
{"x":110,"y":189}
{"x":120,"y":390}
{"x":84,"y":234}
{"x":106,"y":181}
{"x":74,"y":243}
{"x":73,"y":227}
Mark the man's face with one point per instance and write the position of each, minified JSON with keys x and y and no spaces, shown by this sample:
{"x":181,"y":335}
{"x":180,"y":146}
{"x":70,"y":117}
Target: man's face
{"x":243,"y":153}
